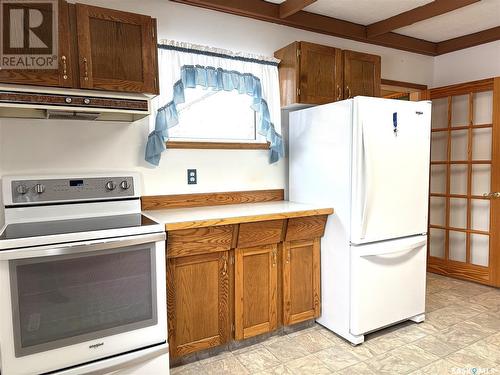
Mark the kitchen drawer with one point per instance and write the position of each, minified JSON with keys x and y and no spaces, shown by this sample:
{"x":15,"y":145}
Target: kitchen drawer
{"x":199,"y":240}
{"x":260,"y":233}
{"x":305,"y":228}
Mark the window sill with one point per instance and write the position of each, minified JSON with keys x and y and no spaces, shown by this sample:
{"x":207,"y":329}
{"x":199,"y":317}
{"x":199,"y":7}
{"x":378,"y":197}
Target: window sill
{"x":217,"y":145}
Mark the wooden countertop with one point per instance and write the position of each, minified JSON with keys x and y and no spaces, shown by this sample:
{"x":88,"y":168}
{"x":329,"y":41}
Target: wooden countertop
{"x":197,"y":217}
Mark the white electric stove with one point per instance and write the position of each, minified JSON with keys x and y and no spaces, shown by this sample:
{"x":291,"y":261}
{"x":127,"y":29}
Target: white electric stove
{"x":82,"y":278}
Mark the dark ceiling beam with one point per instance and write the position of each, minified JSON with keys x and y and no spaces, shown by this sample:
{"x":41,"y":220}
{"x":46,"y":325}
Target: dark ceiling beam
{"x":264,"y":11}
{"x":412,"y":16}
{"x":289,"y":7}
{"x":469,"y":40}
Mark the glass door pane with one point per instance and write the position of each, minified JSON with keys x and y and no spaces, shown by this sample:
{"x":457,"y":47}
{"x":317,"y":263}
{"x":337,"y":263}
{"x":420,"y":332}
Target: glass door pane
{"x":63,"y":300}
{"x":461,"y":149}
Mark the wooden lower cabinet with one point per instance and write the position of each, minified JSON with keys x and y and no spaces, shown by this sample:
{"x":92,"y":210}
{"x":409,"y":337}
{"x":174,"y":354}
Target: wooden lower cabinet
{"x":197,"y":302}
{"x":301,"y":280}
{"x":256,"y":289}
{"x":247,"y":278}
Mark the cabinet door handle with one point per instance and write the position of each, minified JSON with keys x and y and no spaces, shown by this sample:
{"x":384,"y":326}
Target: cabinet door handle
{"x":224,"y":267}
{"x":274,"y":258}
{"x":348,"y":92}
{"x":65,"y":67}
{"x":288,"y":256}
{"x":339,"y":93}
{"x":85,"y":69}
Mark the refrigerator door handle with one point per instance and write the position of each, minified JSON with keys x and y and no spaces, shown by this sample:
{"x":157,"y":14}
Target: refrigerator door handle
{"x":386,"y":251}
{"x":365,"y":182}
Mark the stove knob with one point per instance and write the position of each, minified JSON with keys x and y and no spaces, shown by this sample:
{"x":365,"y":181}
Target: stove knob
{"x":21,"y":189}
{"x":110,"y":185}
{"x":124,"y":185}
{"x":39,"y":188}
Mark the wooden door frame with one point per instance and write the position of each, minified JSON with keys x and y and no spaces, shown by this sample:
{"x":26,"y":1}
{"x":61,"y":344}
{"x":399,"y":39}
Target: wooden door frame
{"x":486,"y":275}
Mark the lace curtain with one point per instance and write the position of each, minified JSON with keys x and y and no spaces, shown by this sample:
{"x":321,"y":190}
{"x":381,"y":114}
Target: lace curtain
{"x":183,"y":66}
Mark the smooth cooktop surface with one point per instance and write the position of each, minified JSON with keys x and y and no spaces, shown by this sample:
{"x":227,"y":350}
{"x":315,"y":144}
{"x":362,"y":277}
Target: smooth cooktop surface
{"x":90,"y":224}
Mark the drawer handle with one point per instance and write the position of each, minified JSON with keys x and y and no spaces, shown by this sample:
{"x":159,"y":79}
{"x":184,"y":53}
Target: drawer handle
{"x":65,"y":67}
{"x":85,"y":69}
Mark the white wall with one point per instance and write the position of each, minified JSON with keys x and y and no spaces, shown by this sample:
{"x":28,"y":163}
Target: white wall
{"x":41,"y":146}
{"x":466,"y":65}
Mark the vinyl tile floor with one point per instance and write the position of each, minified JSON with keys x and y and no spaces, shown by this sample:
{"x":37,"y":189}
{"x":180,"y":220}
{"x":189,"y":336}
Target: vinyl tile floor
{"x":461,"y":335}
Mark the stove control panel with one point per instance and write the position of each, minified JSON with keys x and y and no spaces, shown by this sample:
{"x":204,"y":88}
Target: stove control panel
{"x":72,"y":189}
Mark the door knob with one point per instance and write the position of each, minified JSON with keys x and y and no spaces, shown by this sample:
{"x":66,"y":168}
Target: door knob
{"x":496,"y":194}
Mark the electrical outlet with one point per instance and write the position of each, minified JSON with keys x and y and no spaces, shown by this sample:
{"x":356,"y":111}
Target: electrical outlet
{"x":192,"y":177}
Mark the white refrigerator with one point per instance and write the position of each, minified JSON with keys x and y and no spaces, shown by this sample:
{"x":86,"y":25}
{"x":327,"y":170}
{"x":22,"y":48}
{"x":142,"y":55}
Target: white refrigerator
{"x":368,"y":158}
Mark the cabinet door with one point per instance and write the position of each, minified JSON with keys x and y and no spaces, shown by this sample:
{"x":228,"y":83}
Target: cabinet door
{"x":63,"y":75}
{"x":116,"y":50}
{"x":301,"y":280}
{"x":361,"y":74}
{"x":320,"y":74}
{"x":255,"y":290}
{"x":197,"y":302}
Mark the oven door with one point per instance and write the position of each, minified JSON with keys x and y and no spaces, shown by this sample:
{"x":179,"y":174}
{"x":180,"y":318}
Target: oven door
{"x":70,"y":304}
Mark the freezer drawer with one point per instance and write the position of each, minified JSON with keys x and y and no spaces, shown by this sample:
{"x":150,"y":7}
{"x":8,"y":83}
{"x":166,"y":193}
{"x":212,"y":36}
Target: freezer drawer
{"x":387,"y":283}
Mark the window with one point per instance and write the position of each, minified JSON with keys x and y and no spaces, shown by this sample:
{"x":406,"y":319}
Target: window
{"x":209,"y":115}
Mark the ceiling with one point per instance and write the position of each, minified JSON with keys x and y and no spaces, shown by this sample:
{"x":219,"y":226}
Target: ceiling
{"x":430,"y":27}
{"x":482,"y":15}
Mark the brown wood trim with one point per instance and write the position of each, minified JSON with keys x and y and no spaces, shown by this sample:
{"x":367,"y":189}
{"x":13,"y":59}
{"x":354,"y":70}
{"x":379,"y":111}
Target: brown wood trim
{"x":289,"y":7}
{"x":410,"y":85}
{"x":494,"y":255}
{"x":467,"y":41}
{"x":464,"y":196}
{"x":463,"y":230}
{"x":445,"y":162}
{"x":13,"y":97}
{"x":459,"y":270}
{"x":217,"y":145}
{"x":462,"y":88}
{"x":269,"y":12}
{"x":421,"y":13}
{"x":157,"y":202}
{"x":246,"y":219}
{"x":464,"y":127}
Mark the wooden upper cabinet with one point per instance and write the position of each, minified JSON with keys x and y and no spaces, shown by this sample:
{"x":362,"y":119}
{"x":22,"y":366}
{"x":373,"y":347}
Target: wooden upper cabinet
{"x":63,"y":75}
{"x":117,"y":50}
{"x":256,"y":289}
{"x":309,"y":74}
{"x":198,"y":302}
{"x":361,"y":74}
{"x":315,"y":74}
{"x":320,"y":74}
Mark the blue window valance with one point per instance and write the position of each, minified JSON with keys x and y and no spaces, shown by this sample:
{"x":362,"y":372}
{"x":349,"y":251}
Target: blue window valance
{"x":216,"y":79}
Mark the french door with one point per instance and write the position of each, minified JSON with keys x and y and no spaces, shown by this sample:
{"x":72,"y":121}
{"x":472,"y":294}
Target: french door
{"x":464,"y":221}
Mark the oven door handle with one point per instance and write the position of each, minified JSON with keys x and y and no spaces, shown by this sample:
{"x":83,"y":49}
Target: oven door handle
{"x":80,"y":247}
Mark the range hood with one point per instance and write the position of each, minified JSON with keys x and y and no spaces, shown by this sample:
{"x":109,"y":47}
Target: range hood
{"x":17,"y":101}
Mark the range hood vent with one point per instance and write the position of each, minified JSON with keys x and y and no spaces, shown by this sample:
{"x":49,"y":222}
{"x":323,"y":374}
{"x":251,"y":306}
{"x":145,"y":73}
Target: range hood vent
{"x":58,"y":104}
{"x":69,"y":115}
